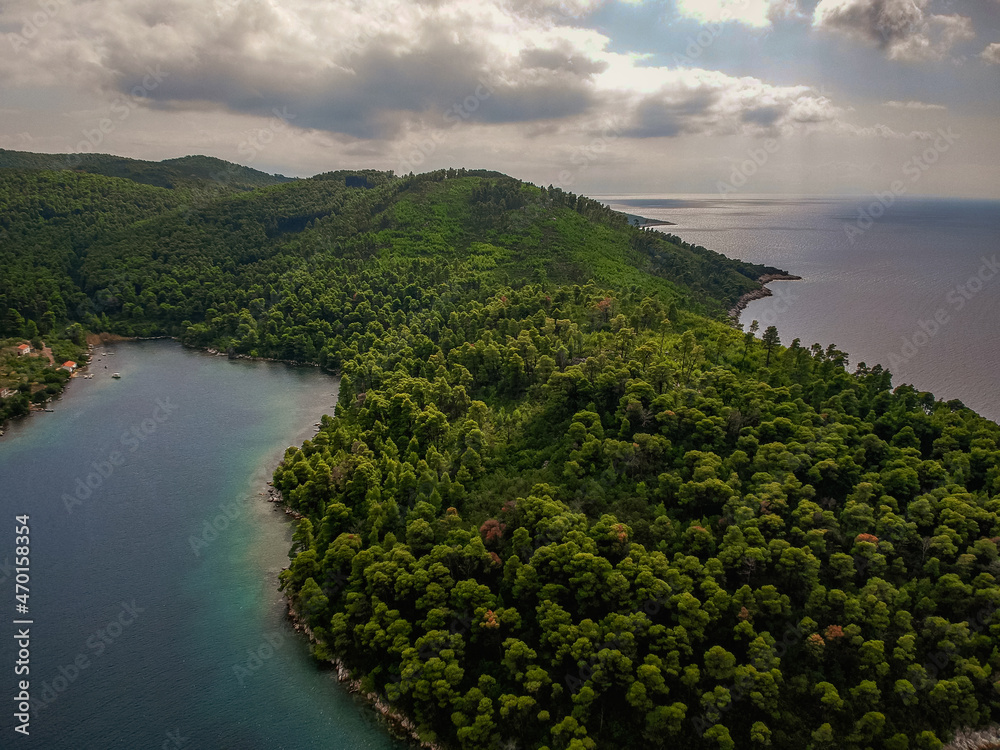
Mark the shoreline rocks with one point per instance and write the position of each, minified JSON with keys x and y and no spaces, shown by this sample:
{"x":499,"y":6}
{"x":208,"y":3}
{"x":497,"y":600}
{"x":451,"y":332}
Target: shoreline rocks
{"x":746,"y":299}
{"x":397,"y":723}
{"x":274,"y":496}
{"x":982,"y":739}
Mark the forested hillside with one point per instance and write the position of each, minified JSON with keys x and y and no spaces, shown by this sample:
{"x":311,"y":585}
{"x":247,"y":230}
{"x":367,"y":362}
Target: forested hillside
{"x":558,"y":518}
{"x":563,"y":502}
{"x":188,"y":171}
{"x":266,"y":272}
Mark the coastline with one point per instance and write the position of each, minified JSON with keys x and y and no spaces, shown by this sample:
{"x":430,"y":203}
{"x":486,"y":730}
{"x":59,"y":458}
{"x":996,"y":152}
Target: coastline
{"x":110,"y":338}
{"x":746,"y":299}
{"x":641,"y":222}
{"x":397,"y":723}
{"x":100,"y":339}
{"x":981,"y":739}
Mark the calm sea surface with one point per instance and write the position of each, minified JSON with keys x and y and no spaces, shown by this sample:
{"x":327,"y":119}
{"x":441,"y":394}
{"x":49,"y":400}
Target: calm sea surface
{"x":916,"y":289}
{"x":136,"y":631}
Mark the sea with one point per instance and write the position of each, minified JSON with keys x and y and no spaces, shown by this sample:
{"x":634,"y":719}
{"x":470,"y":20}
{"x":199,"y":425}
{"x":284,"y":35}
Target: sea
{"x":913,"y":285}
{"x":151,"y":599}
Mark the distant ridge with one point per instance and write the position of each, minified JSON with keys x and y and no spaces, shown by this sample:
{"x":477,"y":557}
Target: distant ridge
{"x":186,"y":171}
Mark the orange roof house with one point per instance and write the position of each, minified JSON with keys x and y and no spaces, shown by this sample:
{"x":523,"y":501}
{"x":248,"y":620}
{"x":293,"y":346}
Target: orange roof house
{"x":69,"y":366}
{"x":23,"y":349}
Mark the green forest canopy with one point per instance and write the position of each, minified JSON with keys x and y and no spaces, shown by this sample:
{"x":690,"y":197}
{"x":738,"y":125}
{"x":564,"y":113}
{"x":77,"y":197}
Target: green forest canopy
{"x":562,"y":502}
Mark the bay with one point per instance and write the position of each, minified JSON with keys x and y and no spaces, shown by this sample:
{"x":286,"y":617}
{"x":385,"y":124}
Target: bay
{"x":913,"y":286}
{"x":156,"y":620}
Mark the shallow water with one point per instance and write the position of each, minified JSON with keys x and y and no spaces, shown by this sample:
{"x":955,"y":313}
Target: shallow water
{"x":162,"y":582}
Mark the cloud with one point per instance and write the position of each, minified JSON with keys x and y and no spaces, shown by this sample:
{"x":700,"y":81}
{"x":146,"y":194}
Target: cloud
{"x":881,"y":131}
{"x":385,"y":70}
{"x":753,"y":13}
{"x":912,"y":105}
{"x":364,"y":69}
{"x":559,"y":8}
{"x":666,"y":102}
{"x":992,"y":53}
{"x":899,"y":27}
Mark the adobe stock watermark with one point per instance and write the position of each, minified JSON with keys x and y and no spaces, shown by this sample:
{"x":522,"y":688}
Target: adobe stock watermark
{"x":696,"y":45}
{"x":256,"y":657}
{"x":744,"y":170}
{"x":913,"y":169}
{"x":585,"y":671}
{"x":745,"y":685}
{"x":374,"y":23}
{"x":174,"y":739}
{"x":94,"y":647}
{"x":412,"y":673}
{"x":131,"y":440}
{"x":120,"y":110}
{"x":212,"y":528}
{"x":261,"y":137}
{"x":779,"y":302}
{"x":587,"y":155}
{"x":573,"y":10}
{"x":956,"y":298}
{"x":422,"y":149}
{"x":47,"y":10}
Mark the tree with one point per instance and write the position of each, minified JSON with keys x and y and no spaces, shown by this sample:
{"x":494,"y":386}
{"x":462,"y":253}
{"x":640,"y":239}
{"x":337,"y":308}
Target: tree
{"x":748,"y":340}
{"x":688,"y":353}
{"x":770,"y":340}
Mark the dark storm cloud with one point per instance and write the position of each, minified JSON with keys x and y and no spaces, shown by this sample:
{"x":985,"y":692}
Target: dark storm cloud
{"x":900,"y":27}
{"x":369,"y":82}
{"x":884,"y":22}
{"x":656,"y":119}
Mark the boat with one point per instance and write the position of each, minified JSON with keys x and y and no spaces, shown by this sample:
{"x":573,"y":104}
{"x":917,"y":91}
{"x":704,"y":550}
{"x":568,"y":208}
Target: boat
{"x":116,"y":375}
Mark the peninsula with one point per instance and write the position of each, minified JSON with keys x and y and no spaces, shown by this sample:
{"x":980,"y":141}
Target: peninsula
{"x":563,"y":502}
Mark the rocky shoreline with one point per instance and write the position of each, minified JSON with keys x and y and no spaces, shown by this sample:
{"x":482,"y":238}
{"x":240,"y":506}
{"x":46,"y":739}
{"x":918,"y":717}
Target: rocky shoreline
{"x":983,"y":739}
{"x":746,"y":299}
{"x":104,"y":337}
{"x":397,"y":723}
{"x":96,"y":339}
{"x":293,"y":362}
{"x":274,"y":496}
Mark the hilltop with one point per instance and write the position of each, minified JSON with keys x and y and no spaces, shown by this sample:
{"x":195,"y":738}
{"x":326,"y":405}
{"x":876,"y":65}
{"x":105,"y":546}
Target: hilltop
{"x":186,"y":171}
{"x":109,"y":251}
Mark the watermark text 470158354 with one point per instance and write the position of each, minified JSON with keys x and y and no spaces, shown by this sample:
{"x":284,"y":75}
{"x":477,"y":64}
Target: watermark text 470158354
{"x":22,"y":625}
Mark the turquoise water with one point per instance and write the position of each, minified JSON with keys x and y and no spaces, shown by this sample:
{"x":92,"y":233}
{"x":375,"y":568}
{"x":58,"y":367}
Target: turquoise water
{"x":151,"y":629}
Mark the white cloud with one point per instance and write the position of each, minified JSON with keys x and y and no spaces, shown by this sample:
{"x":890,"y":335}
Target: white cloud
{"x":881,"y":131}
{"x":753,"y":13}
{"x":913,"y":105}
{"x":992,"y":53}
{"x":523,"y":87}
{"x":899,"y":27}
{"x":381,"y":69}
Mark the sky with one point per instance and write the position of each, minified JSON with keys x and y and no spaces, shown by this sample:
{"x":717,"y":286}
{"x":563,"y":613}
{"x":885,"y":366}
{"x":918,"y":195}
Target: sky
{"x":598,"y":97}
